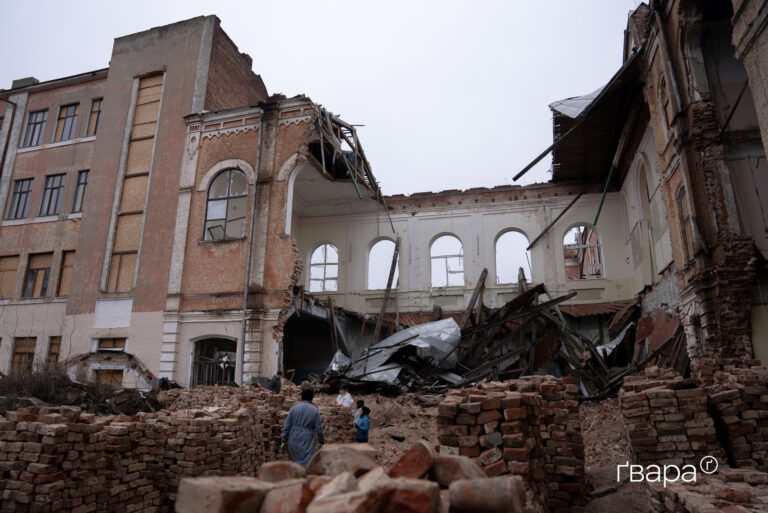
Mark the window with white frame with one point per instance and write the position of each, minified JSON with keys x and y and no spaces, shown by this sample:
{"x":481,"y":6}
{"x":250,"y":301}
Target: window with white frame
{"x":380,"y":263}
{"x":447,"y":262}
{"x":324,"y":269}
{"x":582,"y":253}
{"x":511,"y":256}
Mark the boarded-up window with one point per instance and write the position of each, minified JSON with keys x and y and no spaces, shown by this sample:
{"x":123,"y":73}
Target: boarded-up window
{"x":65,"y":275}
{"x":54,"y":348}
{"x":121,"y":272}
{"x":23,"y":354}
{"x":38,"y":272}
{"x":112,"y":377}
{"x":111,"y":344}
{"x":134,"y":188}
{"x":67,"y":122}
{"x":8,"y":267}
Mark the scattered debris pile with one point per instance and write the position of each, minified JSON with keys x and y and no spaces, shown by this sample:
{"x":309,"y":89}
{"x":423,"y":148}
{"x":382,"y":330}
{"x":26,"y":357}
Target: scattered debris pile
{"x":347,"y":479}
{"x":516,"y":339}
{"x":50,"y":385}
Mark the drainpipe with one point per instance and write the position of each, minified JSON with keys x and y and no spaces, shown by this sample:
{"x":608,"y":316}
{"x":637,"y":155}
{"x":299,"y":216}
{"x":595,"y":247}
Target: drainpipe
{"x":249,"y":239}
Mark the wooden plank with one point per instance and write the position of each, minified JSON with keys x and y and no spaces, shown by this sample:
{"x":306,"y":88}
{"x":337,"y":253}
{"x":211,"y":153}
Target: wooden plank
{"x":332,"y":319}
{"x":471,"y":305}
{"x":392,"y":268}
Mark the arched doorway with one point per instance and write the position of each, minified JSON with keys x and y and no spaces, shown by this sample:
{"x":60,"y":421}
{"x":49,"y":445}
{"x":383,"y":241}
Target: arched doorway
{"x":214,"y":362}
{"x":307,"y":346}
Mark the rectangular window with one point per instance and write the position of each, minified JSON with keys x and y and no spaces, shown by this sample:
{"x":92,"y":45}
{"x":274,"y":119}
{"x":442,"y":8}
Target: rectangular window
{"x":54,"y":348}
{"x":82,"y":181}
{"x":67,"y":122}
{"x":22,"y":189}
{"x":65,"y":275}
{"x":111,"y":344}
{"x":93,"y":121}
{"x":38,"y":271}
{"x":8,"y":267}
{"x":112,"y":377}
{"x":35,"y":127}
{"x":23,"y":354}
{"x":54,"y":188}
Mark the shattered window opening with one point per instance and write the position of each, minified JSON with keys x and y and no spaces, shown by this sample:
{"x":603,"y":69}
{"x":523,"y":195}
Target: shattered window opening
{"x":379,"y":264}
{"x":225,"y":212}
{"x":511,"y":255}
{"x":67,"y":123}
{"x":324,"y":269}
{"x":447,"y":262}
{"x":582,"y":253}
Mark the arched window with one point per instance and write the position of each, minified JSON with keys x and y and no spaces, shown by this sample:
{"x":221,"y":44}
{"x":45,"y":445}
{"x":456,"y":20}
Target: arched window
{"x":379,"y":263}
{"x":225,"y":212}
{"x":582,"y":253}
{"x":684,"y":217}
{"x":511,"y":256}
{"x":447,"y":259}
{"x":664,"y":105}
{"x":324,"y":269}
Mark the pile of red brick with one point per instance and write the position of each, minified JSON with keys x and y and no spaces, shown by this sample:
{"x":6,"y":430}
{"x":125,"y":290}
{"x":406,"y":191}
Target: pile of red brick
{"x":530,"y":427}
{"x":59,"y":459}
{"x":707,"y":368}
{"x":667,"y":420}
{"x":728,"y":491}
{"x":739,"y":399}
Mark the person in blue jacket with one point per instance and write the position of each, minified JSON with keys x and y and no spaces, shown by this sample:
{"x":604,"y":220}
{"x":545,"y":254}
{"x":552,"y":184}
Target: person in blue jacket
{"x":300,"y":427}
{"x":363,"y":425}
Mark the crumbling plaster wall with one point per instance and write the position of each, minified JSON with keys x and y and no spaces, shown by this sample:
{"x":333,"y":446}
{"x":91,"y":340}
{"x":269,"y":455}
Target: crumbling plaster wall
{"x":712,"y":255}
{"x":477,"y":218}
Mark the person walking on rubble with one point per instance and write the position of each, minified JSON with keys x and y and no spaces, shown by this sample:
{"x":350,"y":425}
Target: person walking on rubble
{"x":344,"y":398}
{"x":300,"y":427}
{"x":276,"y":383}
{"x":363,"y":425}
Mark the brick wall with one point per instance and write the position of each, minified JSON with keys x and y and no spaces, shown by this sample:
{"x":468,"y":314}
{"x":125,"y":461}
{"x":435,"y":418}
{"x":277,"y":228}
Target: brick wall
{"x":530,"y":427}
{"x":61,"y":459}
{"x":674,"y":420}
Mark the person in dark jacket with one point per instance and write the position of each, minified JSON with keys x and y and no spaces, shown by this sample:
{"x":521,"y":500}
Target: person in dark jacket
{"x":363,"y":425}
{"x":300,"y":427}
{"x":276,"y":383}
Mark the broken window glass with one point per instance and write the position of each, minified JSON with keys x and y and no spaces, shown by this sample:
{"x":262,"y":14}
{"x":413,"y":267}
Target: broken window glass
{"x":447,"y":262}
{"x":225,"y":213}
{"x":582,"y":253}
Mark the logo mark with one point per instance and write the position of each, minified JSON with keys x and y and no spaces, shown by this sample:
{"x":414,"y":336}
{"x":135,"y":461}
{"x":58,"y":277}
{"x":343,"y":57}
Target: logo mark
{"x":708,"y":464}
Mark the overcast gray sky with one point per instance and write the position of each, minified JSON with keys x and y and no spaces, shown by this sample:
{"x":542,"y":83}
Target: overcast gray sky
{"x":452,"y":94}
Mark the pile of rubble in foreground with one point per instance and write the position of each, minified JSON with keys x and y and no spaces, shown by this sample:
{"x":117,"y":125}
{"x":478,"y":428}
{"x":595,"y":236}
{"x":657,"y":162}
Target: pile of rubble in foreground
{"x":345,"y":478}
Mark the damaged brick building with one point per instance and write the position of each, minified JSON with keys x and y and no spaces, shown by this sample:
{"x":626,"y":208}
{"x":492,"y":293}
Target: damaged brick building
{"x":160,"y":215}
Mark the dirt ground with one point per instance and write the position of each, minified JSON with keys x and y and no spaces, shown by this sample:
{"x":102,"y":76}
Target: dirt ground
{"x":605,"y":446}
{"x":408,"y":416}
{"x":411,"y":417}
